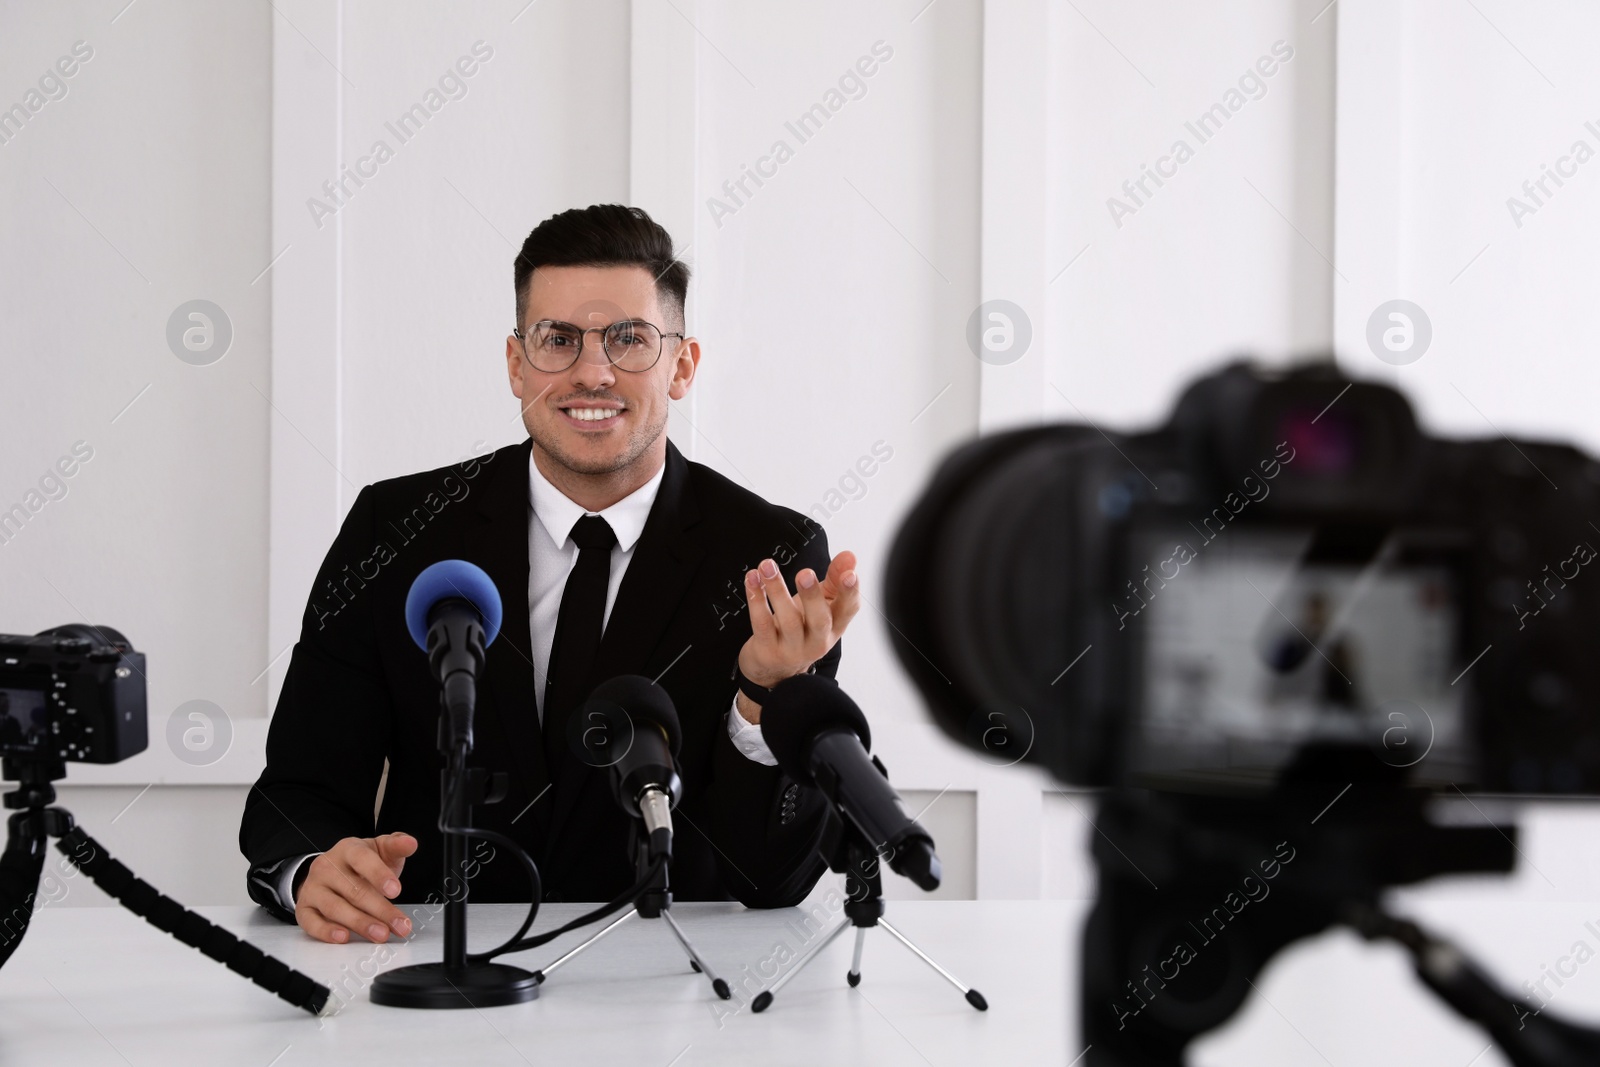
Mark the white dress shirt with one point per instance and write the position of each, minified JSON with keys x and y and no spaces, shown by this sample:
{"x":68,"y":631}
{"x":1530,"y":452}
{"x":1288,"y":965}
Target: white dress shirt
{"x":551,"y":556}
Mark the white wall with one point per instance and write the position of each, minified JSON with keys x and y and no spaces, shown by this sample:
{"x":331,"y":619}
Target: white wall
{"x":144,"y":187}
{"x":1443,"y":116}
{"x":1232,"y":253}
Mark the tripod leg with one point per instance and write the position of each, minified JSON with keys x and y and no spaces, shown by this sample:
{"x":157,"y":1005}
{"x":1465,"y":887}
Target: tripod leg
{"x":854,"y":977}
{"x":166,"y":914}
{"x":21,"y":866}
{"x":764,"y":998}
{"x":542,"y":974}
{"x":694,"y":960}
{"x":717,"y":984}
{"x":1527,"y":1036}
{"x":974,"y":997}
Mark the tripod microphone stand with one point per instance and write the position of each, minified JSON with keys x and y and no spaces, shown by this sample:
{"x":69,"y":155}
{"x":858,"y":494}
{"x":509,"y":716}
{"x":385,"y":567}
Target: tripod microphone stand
{"x":863,"y":909}
{"x":653,"y":903}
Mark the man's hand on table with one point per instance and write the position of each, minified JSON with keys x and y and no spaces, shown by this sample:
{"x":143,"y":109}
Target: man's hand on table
{"x":791,"y":632}
{"x":348,"y":888}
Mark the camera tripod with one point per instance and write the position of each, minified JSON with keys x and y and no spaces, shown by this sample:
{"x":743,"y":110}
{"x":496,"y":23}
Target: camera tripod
{"x":22,"y":864}
{"x":863,"y":909}
{"x":655,"y":902}
{"x":1256,"y":877}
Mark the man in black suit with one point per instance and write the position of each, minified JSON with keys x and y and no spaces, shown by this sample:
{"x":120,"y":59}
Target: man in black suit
{"x":612,"y":555}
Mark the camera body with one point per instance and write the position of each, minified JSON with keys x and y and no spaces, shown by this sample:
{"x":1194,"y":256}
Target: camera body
{"x":1287,"y":574}
{"x":73,"y":693}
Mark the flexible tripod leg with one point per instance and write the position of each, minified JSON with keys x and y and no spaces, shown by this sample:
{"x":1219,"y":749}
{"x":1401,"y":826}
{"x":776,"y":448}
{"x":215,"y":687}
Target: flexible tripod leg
{"x":166,"y":914}
{"x":21,"y":866}
{"x":717,"y":984}
{"x":35,"y":822}
{"x":544,"y":972}
{"x":764,"y":998}
{"x":974,"y":997}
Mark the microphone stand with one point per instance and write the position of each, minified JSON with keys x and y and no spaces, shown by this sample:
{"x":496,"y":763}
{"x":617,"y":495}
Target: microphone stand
{"x":850,"y":854}
{"x":654,"y":902}
{"x":455,"y":981}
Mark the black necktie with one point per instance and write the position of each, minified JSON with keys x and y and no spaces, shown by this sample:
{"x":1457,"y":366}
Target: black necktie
{"x":578,"y":629}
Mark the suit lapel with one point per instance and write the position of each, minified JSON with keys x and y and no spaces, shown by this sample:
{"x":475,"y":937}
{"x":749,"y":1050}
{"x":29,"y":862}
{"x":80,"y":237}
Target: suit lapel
{"x":663,"y":563}
{"x":501,"y":548}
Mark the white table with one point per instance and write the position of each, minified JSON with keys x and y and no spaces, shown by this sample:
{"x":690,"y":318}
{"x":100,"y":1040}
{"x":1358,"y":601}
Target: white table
{"x":97,"y":985}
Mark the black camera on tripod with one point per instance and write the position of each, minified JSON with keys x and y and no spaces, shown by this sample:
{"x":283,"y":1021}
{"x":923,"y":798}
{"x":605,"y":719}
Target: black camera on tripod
{"x":74,"y":693}
{"x":1285,"y":623}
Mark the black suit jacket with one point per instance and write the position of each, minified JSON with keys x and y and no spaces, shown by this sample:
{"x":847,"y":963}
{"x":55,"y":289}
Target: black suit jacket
{"x":359,"y":692}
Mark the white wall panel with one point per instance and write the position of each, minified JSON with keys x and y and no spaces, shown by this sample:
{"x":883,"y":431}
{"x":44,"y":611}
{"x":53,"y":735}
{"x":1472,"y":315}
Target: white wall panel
{"x":1448,"y":120}
{"x":1231,"y":252}
{"x":141,"y":185}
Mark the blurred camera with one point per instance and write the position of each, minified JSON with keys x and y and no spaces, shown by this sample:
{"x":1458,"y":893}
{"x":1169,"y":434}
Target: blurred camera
{"x":74,"y":693}
{"x":1288,"y":568}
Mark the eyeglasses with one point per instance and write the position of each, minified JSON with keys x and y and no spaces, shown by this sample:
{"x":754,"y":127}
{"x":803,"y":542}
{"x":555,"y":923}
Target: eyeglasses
{"x":631,"y":345}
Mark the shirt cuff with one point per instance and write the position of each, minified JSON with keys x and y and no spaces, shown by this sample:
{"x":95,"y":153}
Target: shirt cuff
{"x":283,"y":878}
{"x":746,"y":737}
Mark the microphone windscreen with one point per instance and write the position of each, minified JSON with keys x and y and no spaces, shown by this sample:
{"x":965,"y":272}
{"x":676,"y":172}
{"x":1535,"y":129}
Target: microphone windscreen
{"x":452,"y":578}
{"x":643,"y":700}
{"x":799,"y":709}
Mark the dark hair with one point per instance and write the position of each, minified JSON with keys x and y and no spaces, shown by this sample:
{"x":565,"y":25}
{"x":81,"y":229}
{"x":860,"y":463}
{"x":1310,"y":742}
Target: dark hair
{"x":603,"y":235}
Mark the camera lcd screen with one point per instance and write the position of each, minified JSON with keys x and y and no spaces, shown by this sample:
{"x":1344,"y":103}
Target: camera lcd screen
{"x":24,"y":720}
{"x":1253,"y":648}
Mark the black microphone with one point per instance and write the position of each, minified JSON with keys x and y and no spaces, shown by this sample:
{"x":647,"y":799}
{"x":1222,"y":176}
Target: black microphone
{"x":453,"y":613}
{"x":821,"y":738}
{"x":629,"y":723}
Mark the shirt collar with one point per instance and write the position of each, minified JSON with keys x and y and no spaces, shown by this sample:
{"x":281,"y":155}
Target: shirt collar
{"x":557,"y":512}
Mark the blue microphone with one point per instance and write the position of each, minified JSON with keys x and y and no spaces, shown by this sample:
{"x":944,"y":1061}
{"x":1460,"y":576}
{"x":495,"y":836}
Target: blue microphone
{"x":453,"y":613}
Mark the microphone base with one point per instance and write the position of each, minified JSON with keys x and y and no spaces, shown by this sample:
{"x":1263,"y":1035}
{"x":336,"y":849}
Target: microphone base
{"x":434,"y":985}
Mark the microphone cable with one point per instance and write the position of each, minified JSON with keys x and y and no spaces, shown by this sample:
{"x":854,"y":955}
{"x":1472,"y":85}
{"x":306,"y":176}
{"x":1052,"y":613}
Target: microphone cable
{"x":614,"y":905}
{"x":458,"y":768}
{"x":517,"y":942}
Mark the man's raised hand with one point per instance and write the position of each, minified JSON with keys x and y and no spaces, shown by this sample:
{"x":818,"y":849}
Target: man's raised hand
{"x":790,"y":632}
